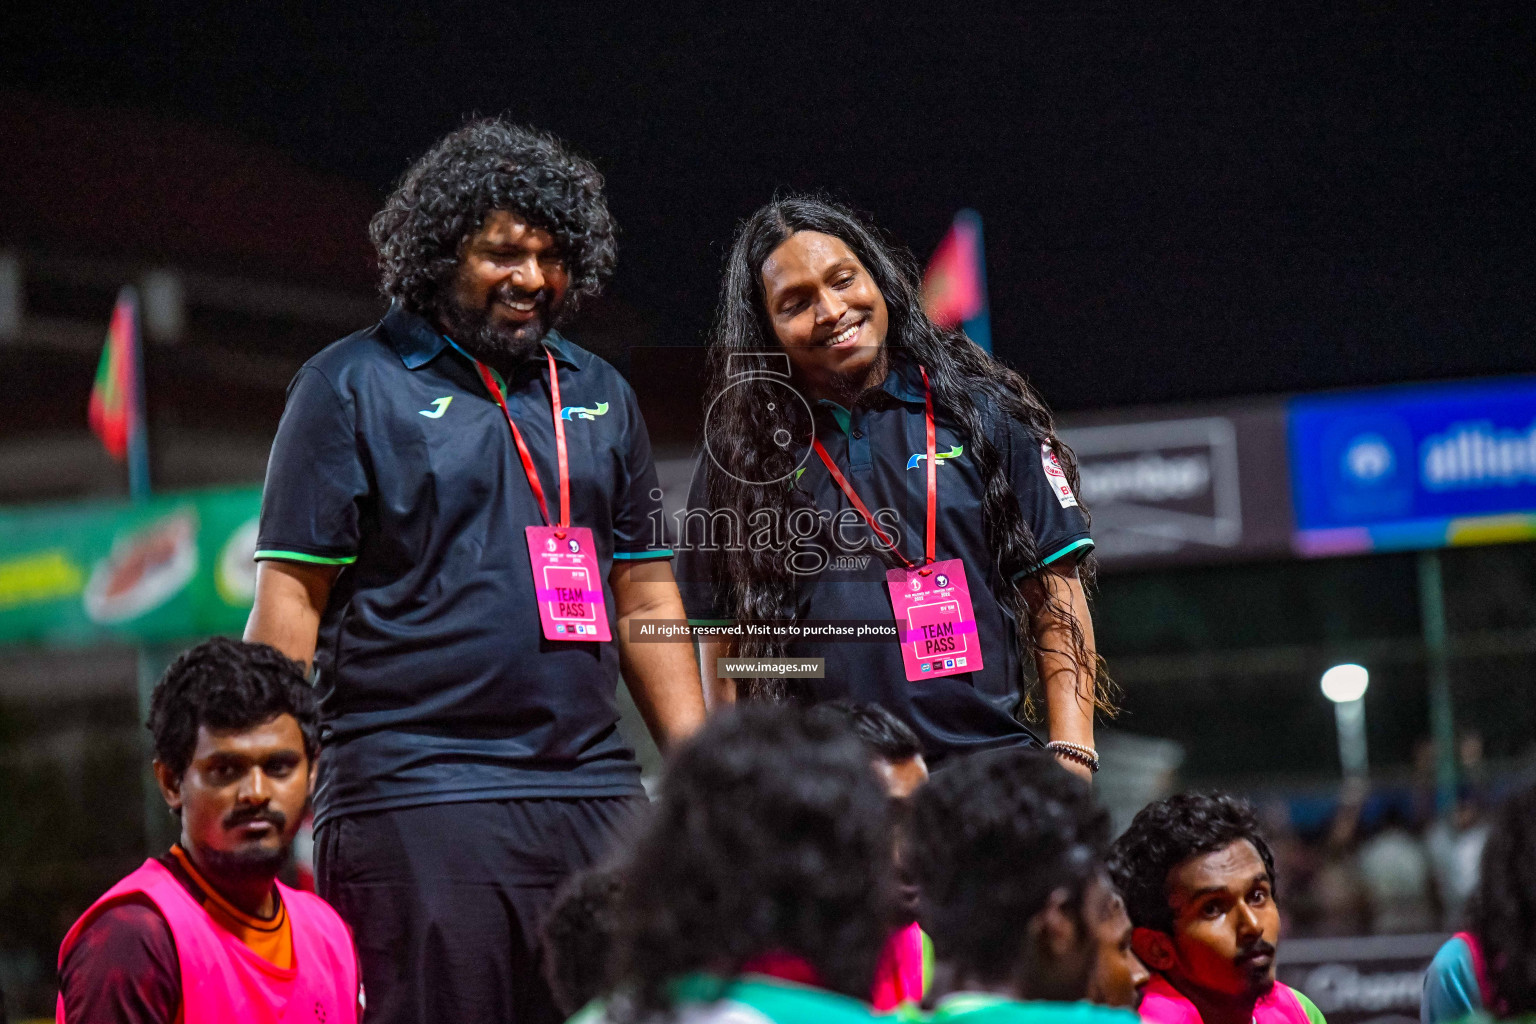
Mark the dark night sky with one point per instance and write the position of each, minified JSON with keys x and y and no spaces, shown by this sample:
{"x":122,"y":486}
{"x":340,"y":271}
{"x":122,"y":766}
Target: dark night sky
{"x":1196,"y":202}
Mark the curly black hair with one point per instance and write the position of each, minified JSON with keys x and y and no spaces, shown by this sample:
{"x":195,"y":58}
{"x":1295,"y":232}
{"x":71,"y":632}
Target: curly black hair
{"x":1168,"y":832}
{"x":1502,"y":915}
{"x":227,"y":684}
{"x":771,"y":836}
{"x":887,"y":737}
{"x":991,"y":839}
{"x":577,"y":937}
{"x":491,"y":164}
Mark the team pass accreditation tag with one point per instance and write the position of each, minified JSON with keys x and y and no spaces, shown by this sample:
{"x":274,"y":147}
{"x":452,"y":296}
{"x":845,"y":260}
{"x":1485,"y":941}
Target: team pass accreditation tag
{"x":567,"y":584}
{"x":934,"y":620}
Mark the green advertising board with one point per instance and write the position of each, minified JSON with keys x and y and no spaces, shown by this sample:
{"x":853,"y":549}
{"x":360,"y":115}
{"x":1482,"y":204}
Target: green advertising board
{"x":176,"y":567}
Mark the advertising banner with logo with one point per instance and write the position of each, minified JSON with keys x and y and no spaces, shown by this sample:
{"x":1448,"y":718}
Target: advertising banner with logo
{"x":1206,"y":486}
{"x":172,"y":568}
{"x":1414,"y":467}
{"x":1375,"y":979}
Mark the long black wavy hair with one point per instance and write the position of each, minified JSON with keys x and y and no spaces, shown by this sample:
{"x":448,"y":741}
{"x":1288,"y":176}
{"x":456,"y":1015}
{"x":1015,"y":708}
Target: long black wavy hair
{"x":973,"y":828}
{"x":1166,"y":833}
{"x":771,"y":836}
{"x":757,"y":582}
{"x":1502,"y":915}
{"x":491,"y":164}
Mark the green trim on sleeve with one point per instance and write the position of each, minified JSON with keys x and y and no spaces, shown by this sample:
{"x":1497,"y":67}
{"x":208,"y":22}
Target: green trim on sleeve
{"x":928,"y":963}
{"x":711,"y":622}
{"x":299,"y":556}
{"x":1309,"y":1007}
{"x":636,"y":555}
{"x":1085,"y":542}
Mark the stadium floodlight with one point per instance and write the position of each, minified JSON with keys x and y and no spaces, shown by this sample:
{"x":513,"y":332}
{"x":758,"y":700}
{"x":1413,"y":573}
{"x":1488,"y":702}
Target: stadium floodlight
{"x":1344,"y":683}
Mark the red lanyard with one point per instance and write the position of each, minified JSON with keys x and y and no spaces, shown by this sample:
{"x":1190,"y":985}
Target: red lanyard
{"x":933,"y":482}
{"x":522,"y":447}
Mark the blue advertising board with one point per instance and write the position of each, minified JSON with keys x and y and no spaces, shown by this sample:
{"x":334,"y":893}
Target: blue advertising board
{"x":1422,"y":466}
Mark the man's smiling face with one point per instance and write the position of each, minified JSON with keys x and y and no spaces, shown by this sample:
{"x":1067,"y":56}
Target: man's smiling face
{"x":510,"y":286}
{"x":825,"y":309}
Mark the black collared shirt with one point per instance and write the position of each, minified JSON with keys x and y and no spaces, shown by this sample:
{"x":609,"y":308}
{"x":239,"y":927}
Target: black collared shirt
{"x":876,"y":446}
{"x":436,"y":682}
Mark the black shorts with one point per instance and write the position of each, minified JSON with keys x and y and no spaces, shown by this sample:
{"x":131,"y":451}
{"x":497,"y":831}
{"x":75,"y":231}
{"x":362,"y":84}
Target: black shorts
{"x":445,"y":900}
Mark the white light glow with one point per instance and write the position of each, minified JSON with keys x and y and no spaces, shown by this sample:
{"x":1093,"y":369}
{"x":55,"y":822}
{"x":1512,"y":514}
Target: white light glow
{"x":1344,"y":683}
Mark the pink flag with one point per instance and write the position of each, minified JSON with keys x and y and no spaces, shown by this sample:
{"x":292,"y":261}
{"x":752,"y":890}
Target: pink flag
{"x":953,"y":288}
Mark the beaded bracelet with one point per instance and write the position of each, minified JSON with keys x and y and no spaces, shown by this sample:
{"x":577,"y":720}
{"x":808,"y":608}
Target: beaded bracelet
{"x":1086,"y":756}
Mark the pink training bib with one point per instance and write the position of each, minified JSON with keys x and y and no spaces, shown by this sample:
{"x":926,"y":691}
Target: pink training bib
{"x":222,"y":979}
{"x":899,"y":976}
{"x":1161,"y":1003}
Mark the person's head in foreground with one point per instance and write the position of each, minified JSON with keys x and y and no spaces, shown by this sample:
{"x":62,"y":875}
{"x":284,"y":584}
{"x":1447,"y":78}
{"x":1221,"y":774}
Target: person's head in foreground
{"x":1502,"y":914}
{"x":494,"y":235}
{"x":577,"y":937}
{"x":767,"y":853}
{"x":1008,"y":851}
{"x":236,"y":734}
{"x":1199,"y":881}
{"x":897,"y":755}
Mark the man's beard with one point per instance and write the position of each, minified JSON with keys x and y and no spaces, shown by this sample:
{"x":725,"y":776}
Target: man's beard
{"x":253,"y":862}
{"x":1260,"y":979}
{"x":847,"y":387}
{"x":476,"y":331}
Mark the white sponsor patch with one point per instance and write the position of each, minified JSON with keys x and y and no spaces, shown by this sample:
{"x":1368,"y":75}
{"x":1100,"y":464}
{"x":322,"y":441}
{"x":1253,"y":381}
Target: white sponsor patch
{"x":1056,"y":478}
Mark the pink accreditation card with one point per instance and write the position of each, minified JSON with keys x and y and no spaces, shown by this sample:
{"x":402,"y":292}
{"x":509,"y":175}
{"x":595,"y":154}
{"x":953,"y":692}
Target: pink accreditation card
{"x":567,"y":584}
{"x":934,"y":620}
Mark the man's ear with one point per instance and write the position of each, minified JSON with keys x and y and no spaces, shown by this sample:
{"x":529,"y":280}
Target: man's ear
{"x":170,"y":785}
{"x":1155,"y":948}
{"x":314,"y":773}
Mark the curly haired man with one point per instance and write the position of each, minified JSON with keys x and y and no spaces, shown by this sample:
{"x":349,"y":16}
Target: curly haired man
{"x":1199,"y":881}
{"x":455,"y":532}
{"x":206,"y":932}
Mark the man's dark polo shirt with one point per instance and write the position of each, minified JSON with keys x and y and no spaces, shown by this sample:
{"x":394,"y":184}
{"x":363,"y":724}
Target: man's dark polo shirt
{"x":436,"y":683}
{"x":874,"y":445}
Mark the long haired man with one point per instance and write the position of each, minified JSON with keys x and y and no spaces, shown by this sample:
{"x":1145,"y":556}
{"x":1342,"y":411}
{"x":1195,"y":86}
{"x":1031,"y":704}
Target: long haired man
{"x":812,"y":288}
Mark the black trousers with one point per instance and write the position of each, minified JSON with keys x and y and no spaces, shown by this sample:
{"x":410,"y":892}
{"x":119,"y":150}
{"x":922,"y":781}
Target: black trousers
{"x":445,"y":901}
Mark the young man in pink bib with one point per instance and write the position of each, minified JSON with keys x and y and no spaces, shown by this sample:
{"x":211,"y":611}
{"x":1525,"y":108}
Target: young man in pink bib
{"x":206,"y":932}
{"x":1198,"y":880}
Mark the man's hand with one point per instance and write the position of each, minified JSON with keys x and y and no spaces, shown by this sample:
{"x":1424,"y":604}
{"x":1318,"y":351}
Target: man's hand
{"x":662,"y":677}
{"x":290,"y":598}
